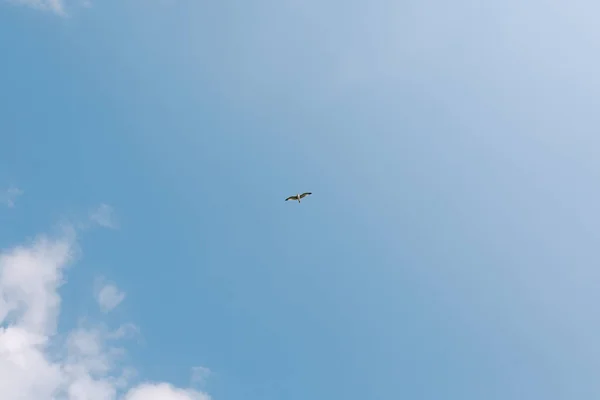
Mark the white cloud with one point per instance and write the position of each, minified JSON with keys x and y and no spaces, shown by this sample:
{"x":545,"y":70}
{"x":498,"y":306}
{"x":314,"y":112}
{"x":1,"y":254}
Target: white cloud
{"x":124,"y":331}
{"x":163,"y":391}
{"x":108,"y":297}
{"x":56,"y":6}
{"x":104,"y":216}
{"x":9,"y":196}
{"x":37,"y":363}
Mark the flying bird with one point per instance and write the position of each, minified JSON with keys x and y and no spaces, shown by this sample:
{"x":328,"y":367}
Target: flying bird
{"x":298,"y":196}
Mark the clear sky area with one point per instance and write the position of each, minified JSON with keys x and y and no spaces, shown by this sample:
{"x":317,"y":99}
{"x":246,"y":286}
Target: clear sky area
{"x":449,"y":249}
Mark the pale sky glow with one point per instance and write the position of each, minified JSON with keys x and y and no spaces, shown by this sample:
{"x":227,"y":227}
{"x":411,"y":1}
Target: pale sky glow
{"x":448,"y":249}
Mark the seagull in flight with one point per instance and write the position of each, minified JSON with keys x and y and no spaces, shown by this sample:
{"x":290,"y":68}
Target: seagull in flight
{"x":298,"y":196}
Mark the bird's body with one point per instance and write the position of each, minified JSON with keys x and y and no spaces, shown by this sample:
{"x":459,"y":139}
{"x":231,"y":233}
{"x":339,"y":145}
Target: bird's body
{"x":298,"y":196}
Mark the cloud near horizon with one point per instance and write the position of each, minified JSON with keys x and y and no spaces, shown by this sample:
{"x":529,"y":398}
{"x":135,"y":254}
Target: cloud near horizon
{"x":39,"y":363}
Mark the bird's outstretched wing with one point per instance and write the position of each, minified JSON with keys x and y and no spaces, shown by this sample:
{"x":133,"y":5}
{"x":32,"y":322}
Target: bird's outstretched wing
{"x":303,"y":195}
{"x":292,"y":198}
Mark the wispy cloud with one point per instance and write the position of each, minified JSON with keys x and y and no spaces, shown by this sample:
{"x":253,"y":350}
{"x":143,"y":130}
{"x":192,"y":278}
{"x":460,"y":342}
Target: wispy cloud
{"x":38,"y":363}
{"x":109,"y":297}
{"x":55,"y":6}
{"x":199,"y":376}
{"x":104,"y":216}
{"x":9,"y":196}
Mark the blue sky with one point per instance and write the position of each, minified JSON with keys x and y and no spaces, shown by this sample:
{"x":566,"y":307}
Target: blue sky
{"x":449,"y":248}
